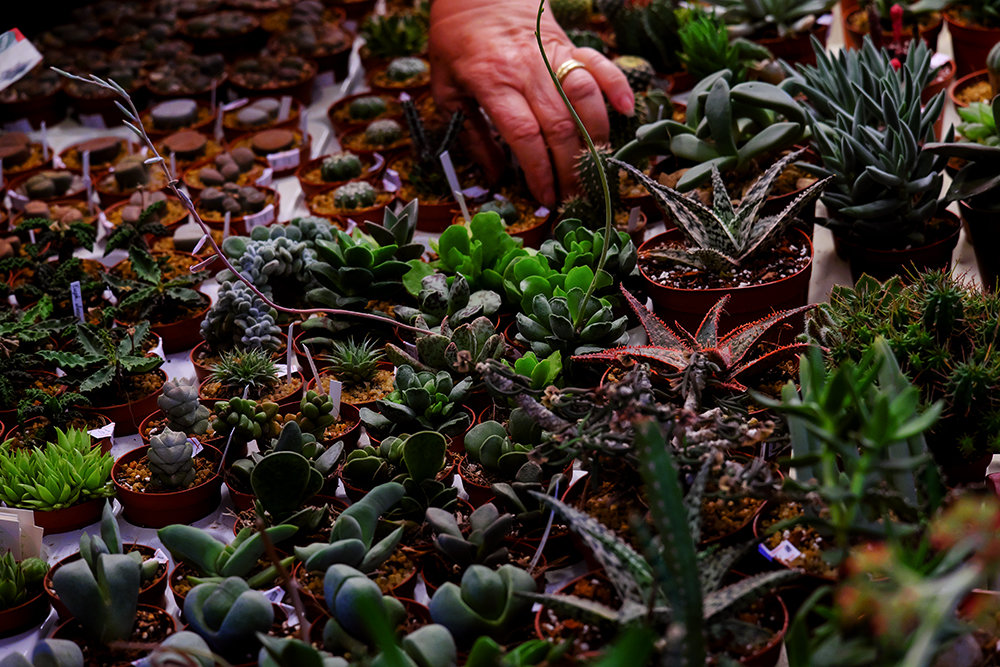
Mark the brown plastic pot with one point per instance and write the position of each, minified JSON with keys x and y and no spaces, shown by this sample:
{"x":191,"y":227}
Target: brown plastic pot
{"x":965,"y":81}
{"x":883,"y":264}
{"x":970,"y":44}
{"x":293,"y":395}
{"x":182,"y":334}
{"x":797,"y":48}
{"x":382,"y":365}
{"x":155,"y":510}
{"x":371,"y":167}
{"x":151,"y":593}
{"x":301,"y":91}
{"x":72,"y":631}
{"x":28,"y":614}
{"x":342,"y":125}
{"x":70,"y":518}
{"x":127,"y":415}
{"x":746,"y":304}
{"x":854,"y":38}
{"x":104,"y":443}
{"x":983,"y":228}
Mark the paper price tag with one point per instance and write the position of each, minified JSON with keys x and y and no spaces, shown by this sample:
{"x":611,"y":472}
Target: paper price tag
{"x":106,"y":431}
{"x":285,"y":108}
{"x":274,"y":595}
{"x":196,"y":447}
{"x":76,"y":295}
{"x":284,"y":160}
{"x":18,"y":56}
{"x":336,"y":387}
{"x":475,"y":192}
{"x":541,"y":212}
{"x":783,"y":553}
{"x":292,"y":619}
{"x":94,"y":121}
{"x":264,"y":217}
{"x":266,"y":178}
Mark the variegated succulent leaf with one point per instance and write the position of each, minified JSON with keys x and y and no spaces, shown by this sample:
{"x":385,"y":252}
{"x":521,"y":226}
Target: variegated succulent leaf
{"x":674,"y":359}
{"x":692,"y":501}
{"x":586,"y":610}
{"x":755,"y":197}
{"x":745,"y":590}
{"x":775,"y":225}
{"x":741,"y":340}
{"x":722,"y":205}
{"x":715,"y":563}
{"x":708,"y":331}
{"x":657,"y":331}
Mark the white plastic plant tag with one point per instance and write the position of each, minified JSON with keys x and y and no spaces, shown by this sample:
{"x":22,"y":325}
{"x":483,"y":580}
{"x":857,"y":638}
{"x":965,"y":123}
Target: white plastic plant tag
{"x":324,"y":80}
{"x":659,"y":112}
{"x":31,"y":236}
{"x":219,"y":135}
{"x":265,"y":179}
{"x":449,"y":171}
{"x":499,"y":197}
{"x":783,"y":553}
{"x":284,"y":160}
{"x":252,"y":447}
{"x":106,"y":431}
{"x":291,"y":618}
{"x":19,"y":125}
{"x":12,"y":300}
{"x":19,"y":56}
{"x":264,"y":217}
{"x":104,"y":222}
{"x":57,"y":162}
{"x":76,"y":296}
{"x":541,"y":212}
{"x":460,"y":198}
{"x":60,"y":373}
{"x":93,"y":121}
{"x":196,"y":447}
{"x":147,"y":662}
{"x":274,"y":595}
{"x":158,"y":350}
{"x":109,"y":296}
{"x":475,"y":192}
{"x":391,"y":181}
{"x":312,"y":365}
{"x":215,"y":94}
{"x":160,"y":556}
{"x":86,"y":168}
{"x":288,"y":353}
{"x":304,"y":123}
{"x":336,"y":387}
{"x":227,"y":222}
{"x":236,"y":104}
{"x":285,"y":108}
{"x":633,"y":219}
{"x":45,"y":141}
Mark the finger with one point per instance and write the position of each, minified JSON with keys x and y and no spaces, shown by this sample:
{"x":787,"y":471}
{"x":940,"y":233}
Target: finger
{"x":479,"y":142}
{"x":516,"y":122}
{"x":561,"y":132}
{"x":610,"y":78}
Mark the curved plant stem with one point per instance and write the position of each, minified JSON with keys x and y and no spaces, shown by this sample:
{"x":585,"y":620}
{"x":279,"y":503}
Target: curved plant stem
{"x":134,"y":123}
{"x":593,"y":154}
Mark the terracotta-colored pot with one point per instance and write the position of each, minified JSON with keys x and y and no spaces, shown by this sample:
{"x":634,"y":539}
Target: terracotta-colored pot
{"x":479,"y":494}
{"x":967,"y":80}
{"x":382,"y":365}
{"x":151,"y":593}
{"x":173,"y":220}
{"x":374,"y":213}
{"x":127,"y":415}
{"x":746,"y":304}
{"x":342,"y":123}
{"x":182,"y":334}
{"x":70,"y":518}
{"x":853,"y":38}
{"x":155,"y":510}
{"x":71,"y":630}
{"x":238,"y":225}
{"x":969,"y":43}
{"x":798,"y":48}
{"x":371,"y":167}
{"x":883,"y":264}
{"x":105,"y":444}
{"x":290,"y":396}
{"x":301,"y":90}
{"x":29,"y":614}
{"x":241,"y":500}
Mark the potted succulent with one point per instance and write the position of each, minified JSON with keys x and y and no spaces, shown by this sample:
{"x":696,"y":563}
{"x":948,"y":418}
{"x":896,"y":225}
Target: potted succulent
{"x":332,"y":171}
{"x":359,"y":367}
{"x":65,"y":482}
{"x":186,"y":147}
{"x":919,"y":18}
{"x":237,"y":319}
{"x":169,"y":116}
{"x":126,"y":177}
{"x":785,"y":28}
{"x":273,"y":74}
{"x":975,"y":30}
{"x":356,"y":111}
{"x":361,"y":201}
{"x":252,"y":372}
{"x":316,"y":33}
{"x":21,"y":155}
{"x":421,"y":400}
{"x":240,"y":203}
{"x":227,"y":615}
{"x":240,"y":166}
{"x":277,"y":141}
{"x":263,"y":113}
{"x":22,"y":600}
{"x":384,"y":136}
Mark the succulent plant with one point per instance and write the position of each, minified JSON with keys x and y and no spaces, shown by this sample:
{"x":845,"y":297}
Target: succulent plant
{"x":182,"y":407}
{"x":993,"y":66}
{"x":648,"y":30}
{"x":182,"y":648}
{"x":727,"y":127}
{"x":105,"y":356}
{"x":367,"y":107}
{"x":19,"y":578}
{"x":637,"y":70}
{"x":315,"y":413}
{"x":213,"y":560}
{"x":354,"y":363}
{"x":398,"y":229}
{"x":787,"y":17}
{"x":346,"y":590}
{"x":456,"y":351}
{"x":501,"y":452}
{"x":292,"y":652}
{"x":541,"y":373}
{"x":102,"y":595}
{"x":395,"y":34}
{"x":420,"y":400}
{"x":251,"y":368}
{"x":427,"y":175}
{"x":170,"y":459}
{"x":341,"y":167}
{"x":573,"y":244}
{"x":246,"y":419}
{"x":479,"y":251}
{"x":406,"y":68}
{"x":383,"y":132}
{"x":707,"y":47}
{"x":440,"y":298}
{"x":504,"y":208}
{"x":977,"y":182}
{"x":110,"y":541}
{"x":227,"y":615}
{"x":352,"y":539}
{"x":979,"y":124}
{"x":276,"y":258}
{"x":487,"y":603}
{"x":47,"y":653}
{"x":240,"y":317}
{"x":720,"y":239}
{"x":484,"y":544}
{"x":355,"y":195}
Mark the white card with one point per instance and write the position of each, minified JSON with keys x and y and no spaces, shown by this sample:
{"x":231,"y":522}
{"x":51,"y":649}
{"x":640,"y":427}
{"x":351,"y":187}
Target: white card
{"x":264,"y":217}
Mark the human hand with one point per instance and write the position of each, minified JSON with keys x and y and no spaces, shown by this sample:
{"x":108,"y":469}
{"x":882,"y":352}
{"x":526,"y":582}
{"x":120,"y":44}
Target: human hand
{"x":486,"y":50}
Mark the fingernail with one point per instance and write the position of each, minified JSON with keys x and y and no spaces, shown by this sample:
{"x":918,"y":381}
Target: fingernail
{"x":626,"y":104}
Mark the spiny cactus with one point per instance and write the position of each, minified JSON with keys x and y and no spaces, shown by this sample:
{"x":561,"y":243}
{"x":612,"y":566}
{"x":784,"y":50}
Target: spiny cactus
{"x":170,"y":459}
{"x":180,"y":403}
{"x":406,"y":69}
{"x":355,"y":195}
{"x":341,"y":167}
{"x":637,"y":70}
{"x":383,"y":132}
{"x":427,"y":175}
{"x":367,"y":107}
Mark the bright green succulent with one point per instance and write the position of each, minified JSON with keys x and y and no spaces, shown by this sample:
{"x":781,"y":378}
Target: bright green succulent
{"x":353,"y":363}
{"x":479,"y":251}
{"x":541,"y":373}
{"x":243,"y":420}
{"x":394,"y":34}
{"x":977,"y":182}
{"x":19,"y":578}
{"x":420,"y":400}
{"x":707,"y":47}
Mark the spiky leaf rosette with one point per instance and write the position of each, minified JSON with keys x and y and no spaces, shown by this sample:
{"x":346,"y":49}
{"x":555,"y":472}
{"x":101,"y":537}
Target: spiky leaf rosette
{"x":251,"y":368}
{"x":590,"y":179}
{"x":354,"y":363}
{"x":722,"y":237}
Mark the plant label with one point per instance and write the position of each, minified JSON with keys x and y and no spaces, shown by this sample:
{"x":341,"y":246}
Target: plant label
{"x":460,"y":198}
{"x":31,"y":236}
{"x":391,"y":181}
{"x":76,"y":296}
{"x":336,"y":387}
{"x":312,"y":365}
{"x":449,"y":171}
{"x":264,"y":217}
{"x":106,"y":431}
{"x":541,"y":212}
{"x":18,"y":56}
{"x":196,"y":447}
{"x":633,"y":219}
{"x":274,"y":595}
{"x":12,"y":300}
{"x":161,"y":557}
{"x":783,"y":553}
{"x":10,"y":535}
{"x":285,"y":108}
{"x":173,"y":164}
{"x":475,"y":192}
{"x":235,"y":104}
{"x":266,"y":178}
{"x":104,"y":222}
{"x":284,"y":160}
{"x":219,"y":136}
{"x":291,"y":618}
{"x":288,"y":352}
{"x":89,"y":181}
{"x":28,"y":542}
{"x":45,"y":141}
{"x":93,"y":121}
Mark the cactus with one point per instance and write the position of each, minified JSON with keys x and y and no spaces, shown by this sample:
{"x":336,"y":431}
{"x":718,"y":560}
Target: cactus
{"x":439,"y":299}
{"x":17,"y":579}
{"x":456,"y":352}
{"x":102,"y":596}
{"x":341,"y":167}
{"x":637,"y":70}
{"x":352,"y":539}
{"x":485,"y":542}
{"x":355,"y":195}
{"x":405,"y":69}
{"x":505,"y":209}
{"x":571,"y":13}
{"x":421,"y":399}
{"x":354,"y":363}
{"x":383,"y":132}
{"x":227,"y":615}
{"x":648,"y":30}
{"x":170,"y":461}
{"x":180,"y":403}
{"x":246,"y":419}
{"x":240,"y":317}
{"x":213,"y":560}
{"x":346,"y":591}
{"x":367,"y":107}
{"x":426,"y":175}
{"x":48,"y":653}
{"x":487,"y":603}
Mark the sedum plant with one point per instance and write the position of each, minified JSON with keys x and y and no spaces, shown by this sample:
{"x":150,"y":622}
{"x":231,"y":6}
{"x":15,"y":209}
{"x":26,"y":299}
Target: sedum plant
{"x":170,"y":459}
{"x":62,"y":474}
{"x":720,"y":239}
{"x":227,"y":615}
{"x":487,"y":602}
{"x":540,"y":373}
{"x":213,"y":560}
{"x":421,"y":400}
{"x":19,"y":578}
{"x":180,"y":403}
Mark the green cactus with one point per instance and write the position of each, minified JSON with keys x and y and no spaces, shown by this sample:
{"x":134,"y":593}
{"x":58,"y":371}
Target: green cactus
{"x":421,"y":400}
{"x":382,"y":133}
{"x":213,"y":560}
{"x":355,"y":195}
{"x":102,"y":596}
{"x":485,"y":542}
{"x":346,"y":590}
{"x":227,"y":615}
{"x":456,"y":351}
{"x":180,"y":403}
{"x":637,"y":70}
{"x":352,"y":539}
{"x":341,"y":167}
{"x":427,"y":176}
{"x":17,"y":579}
{"x":440,"y":298}
{"x":571,"y":13}
{"x":406,"y":68}
{"x":246,"y":419}
{"x":170,"y":461}
{"x":367,"y":108}
{"x":487,"y":603}
{"x":395,"y":34}
{"x":648,"y":30}
{"x":707,"y":47}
